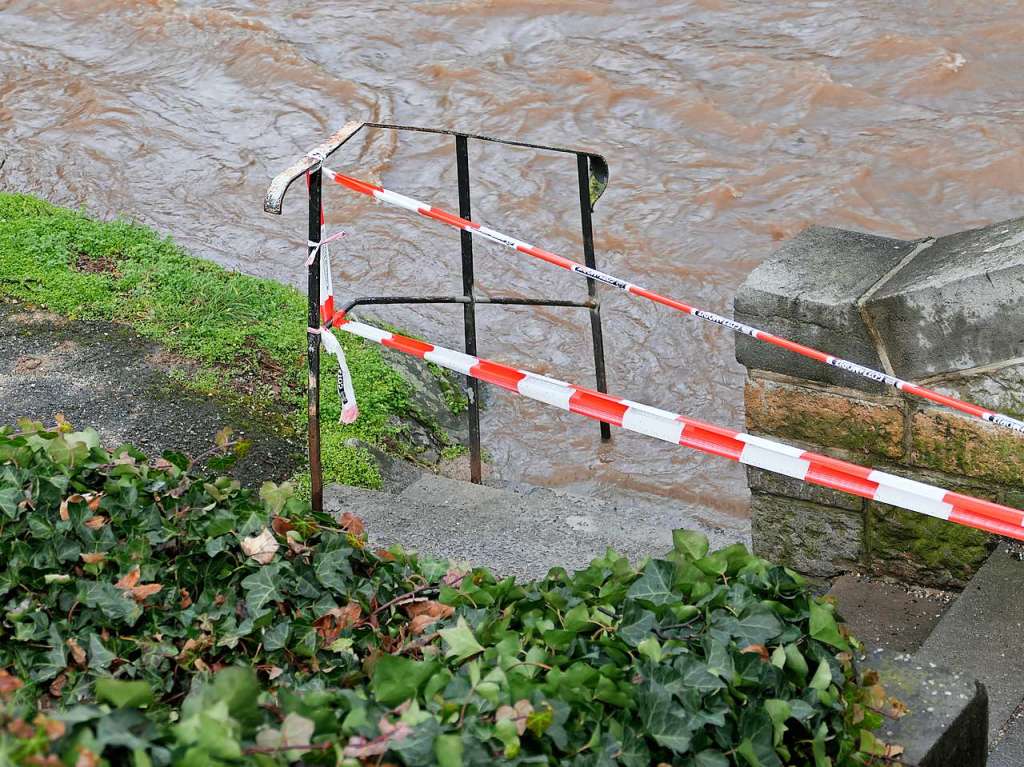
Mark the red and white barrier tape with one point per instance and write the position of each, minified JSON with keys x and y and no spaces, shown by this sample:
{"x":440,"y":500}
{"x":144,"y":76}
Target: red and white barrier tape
{"x":346,"y":389}
{"x":423,"y":209}
{"x":747,"y":449}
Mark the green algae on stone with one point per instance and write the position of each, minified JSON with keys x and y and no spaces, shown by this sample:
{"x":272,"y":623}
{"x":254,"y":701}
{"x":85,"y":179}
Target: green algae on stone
{"x":922,"y":549}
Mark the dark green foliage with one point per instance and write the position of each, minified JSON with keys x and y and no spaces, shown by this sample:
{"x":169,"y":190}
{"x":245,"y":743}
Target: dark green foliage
{"x":162,"y":618}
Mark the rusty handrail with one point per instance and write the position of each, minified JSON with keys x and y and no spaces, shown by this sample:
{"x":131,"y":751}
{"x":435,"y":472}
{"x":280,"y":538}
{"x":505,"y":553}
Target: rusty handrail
{"x":273,"y":202}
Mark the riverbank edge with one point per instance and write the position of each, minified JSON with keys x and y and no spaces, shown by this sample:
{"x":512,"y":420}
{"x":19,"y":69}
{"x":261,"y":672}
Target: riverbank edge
{"x":232,"y":336}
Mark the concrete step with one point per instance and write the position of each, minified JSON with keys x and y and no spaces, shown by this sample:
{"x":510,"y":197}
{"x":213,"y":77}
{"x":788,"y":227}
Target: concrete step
{"x":521,"y":531}
{"x":1009,"y":749}
{"x":981,"y":636}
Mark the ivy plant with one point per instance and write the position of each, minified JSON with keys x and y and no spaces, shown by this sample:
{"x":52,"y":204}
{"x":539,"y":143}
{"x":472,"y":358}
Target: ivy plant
{"x":151,"y":616}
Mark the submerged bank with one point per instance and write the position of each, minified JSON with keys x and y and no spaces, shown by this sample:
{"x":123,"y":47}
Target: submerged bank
{"x":223,"y":336}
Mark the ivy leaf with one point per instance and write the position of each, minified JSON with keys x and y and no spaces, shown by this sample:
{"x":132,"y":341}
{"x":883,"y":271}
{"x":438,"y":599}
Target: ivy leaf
{"x":448,"y":750}
{"x":637,"y":624}
{"x":661,"y":719}
{"x":823,"y":626}
{"x":333,"y":569}
{"x":692,"y":545}
{"x":100,"y":657}
{"x":822,"y":677}
{"x":55,"y":660}
{"x":695,"y":674}
{"x":655,"y":584}
{"x":261,"y":587}
{"x":818,"y":746}
{"x":396,"y":679}
{"x":114,"y":603}
{"x":417,"y":748}
{"x":633,"y":751}
{"x":756,"y":745}
{"x":757,"y":626}
{"x":505,"y":731}
{"x":778,"y":711}
{"x":461,"y":642}
{"x":710,"y":758}
{"x":275,"y":496}
{"x":123,"y":693}
{"x":10,"y":497}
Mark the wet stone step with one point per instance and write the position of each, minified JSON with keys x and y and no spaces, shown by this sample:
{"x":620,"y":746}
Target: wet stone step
{"x":522,"y":531}
{"x":981,"y":635}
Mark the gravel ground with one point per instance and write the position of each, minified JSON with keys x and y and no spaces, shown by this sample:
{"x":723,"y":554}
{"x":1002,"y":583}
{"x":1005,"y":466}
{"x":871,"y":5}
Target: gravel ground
{"x":99,"y":374}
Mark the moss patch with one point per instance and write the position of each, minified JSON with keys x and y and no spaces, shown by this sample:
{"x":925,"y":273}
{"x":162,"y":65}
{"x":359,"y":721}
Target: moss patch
{"x":246,"y":335}
{"x":820,"y":418}
{"x":958,"y":445}
{"x":922,"y":549}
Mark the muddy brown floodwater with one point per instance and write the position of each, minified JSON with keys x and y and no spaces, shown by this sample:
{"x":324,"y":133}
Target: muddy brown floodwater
{"x":728,"y":125}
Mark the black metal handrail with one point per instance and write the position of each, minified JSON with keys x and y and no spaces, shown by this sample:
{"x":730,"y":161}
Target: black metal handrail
{"x":592,"y":178}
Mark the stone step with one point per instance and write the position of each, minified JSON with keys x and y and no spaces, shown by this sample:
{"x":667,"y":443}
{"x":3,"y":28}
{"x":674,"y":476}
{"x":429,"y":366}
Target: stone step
{"x":520,"y":531}
{"x":1009,"y":750}
{"x":981,"y":636}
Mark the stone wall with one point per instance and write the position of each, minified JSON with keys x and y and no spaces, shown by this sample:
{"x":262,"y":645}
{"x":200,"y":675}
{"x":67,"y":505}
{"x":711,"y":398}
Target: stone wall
{"x":945,"y":312}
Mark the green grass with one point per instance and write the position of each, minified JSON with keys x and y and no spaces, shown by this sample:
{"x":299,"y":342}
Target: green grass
{"x":246,"y":335}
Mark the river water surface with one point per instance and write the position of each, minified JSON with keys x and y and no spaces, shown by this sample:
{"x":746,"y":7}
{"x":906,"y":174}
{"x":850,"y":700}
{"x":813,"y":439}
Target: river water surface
{"x":729,"y":126}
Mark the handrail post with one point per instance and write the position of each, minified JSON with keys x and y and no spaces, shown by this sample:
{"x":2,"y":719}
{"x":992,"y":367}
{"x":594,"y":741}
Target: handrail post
{"x":315,"y":180}
{"x":469,"y":309}
{"x":596,"y":332}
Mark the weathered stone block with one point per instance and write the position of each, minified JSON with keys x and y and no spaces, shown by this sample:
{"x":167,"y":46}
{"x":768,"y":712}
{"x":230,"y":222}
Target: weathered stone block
{"x":779,"y":484}
{"x":947,"y":722}
{"x":999,"y":388}
{"x":958,"y":304}
{"x":822,"y":418}
{"x":980,"y":636}
{"x":817,"y":540}
{"x":956,"y":444}
{"x":808,"y":291}
{"x":921,"y":549}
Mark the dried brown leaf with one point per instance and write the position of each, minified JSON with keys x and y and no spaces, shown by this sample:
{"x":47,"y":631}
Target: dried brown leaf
{"x":898,"y":708}
{"x":261,"y":547}
{"x":350,"y":523}
{"x":281,"y":526}
{"x":361,"y":748}
{"x":19,"y":728}
{"x":57,"y":685}
{"x":425,"y":614}
{"x":93,"y":558}
{"x":129,"y":580}
{"x":8,"y":684}
{"x":330,"y":625}
{"x":87,"y":758}
{"x":64,"y":515}
{"x":77,"y":653}
{"x":454,"y":577}
{"x":54,"y":728}
{"x":95,"y":523}
{"x":142,"y":592}
{"x":760,"y":649}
